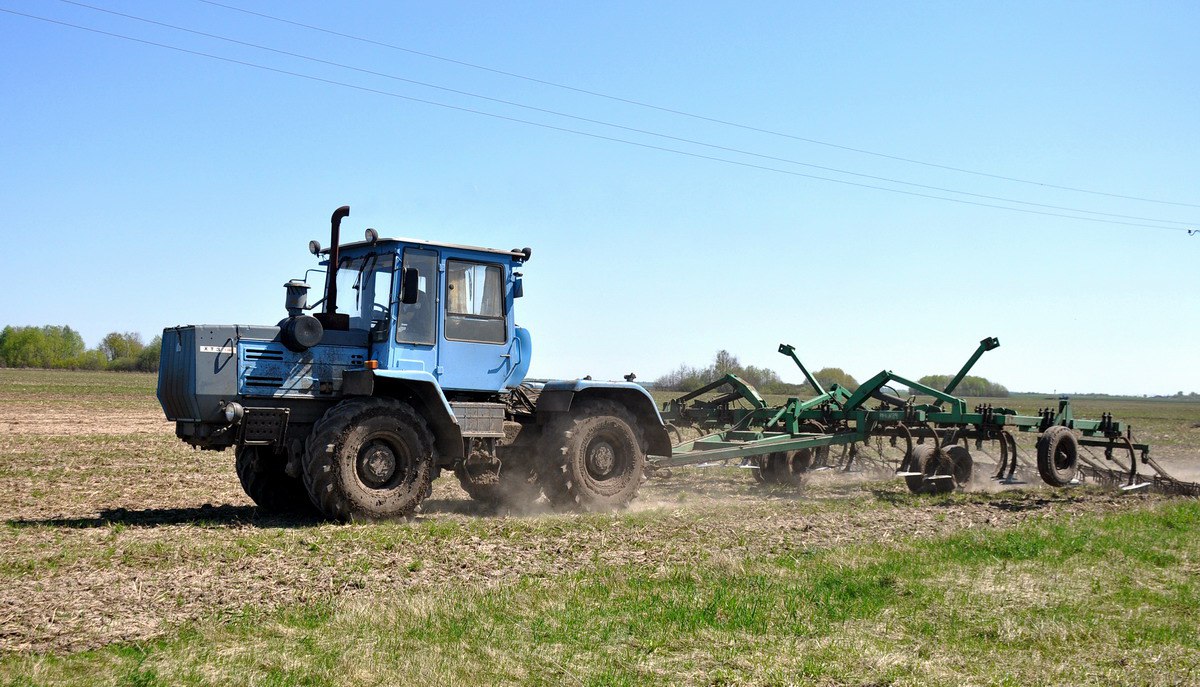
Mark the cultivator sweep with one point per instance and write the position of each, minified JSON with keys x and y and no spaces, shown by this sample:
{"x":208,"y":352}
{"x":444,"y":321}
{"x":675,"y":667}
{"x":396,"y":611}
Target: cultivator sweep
{"x":835,"y":429}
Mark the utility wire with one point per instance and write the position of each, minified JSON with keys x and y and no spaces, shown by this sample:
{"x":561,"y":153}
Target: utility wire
{"x":692,"y":115}
{"x":571,"y":131}
{"x":728,"y":149}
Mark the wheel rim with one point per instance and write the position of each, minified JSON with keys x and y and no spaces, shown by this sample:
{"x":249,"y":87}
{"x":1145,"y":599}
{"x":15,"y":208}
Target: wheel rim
{"x":381,"y":464}
{"x":602,"y":459}
{"x":1062,"y":459}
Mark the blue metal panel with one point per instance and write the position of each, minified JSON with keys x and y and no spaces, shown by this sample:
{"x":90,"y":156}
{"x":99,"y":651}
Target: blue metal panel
{"x":522,"y":356}
{"x":420,"y":377}
{"x":269,"y":369}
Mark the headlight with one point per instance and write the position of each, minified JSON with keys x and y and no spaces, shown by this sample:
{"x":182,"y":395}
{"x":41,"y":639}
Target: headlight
{"x":234,"y":412}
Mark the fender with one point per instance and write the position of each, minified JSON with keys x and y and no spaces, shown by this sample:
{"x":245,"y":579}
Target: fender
{"x":560,"y":396}
{"x":422,"y":390}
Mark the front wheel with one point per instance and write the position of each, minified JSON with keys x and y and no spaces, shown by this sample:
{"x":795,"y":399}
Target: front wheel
{"x":592,"y":459}
{"x":369,"y":459}
{"x":261,"y":472}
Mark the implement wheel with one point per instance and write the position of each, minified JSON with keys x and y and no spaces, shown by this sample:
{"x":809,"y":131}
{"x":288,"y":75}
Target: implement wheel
{"x":760,"y":469}
{"x":261,"y":472}
{"x":920,"y":456}
{"x":1058,"y":456}
{"x":369,"y":459}
{"x":941,"y":471}
{"x":789,"y":468}
{"x":592,"y":459}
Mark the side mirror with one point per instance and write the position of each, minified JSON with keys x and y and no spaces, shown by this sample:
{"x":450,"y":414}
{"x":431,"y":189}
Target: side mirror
{"x":518,"y":288}
{"x":409,"y":286}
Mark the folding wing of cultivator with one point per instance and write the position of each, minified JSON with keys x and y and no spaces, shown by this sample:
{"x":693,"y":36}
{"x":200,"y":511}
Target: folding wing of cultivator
{"x":782,"y":443}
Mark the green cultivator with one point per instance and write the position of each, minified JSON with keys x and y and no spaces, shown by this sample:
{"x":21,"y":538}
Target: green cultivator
{"x":835,"y":429}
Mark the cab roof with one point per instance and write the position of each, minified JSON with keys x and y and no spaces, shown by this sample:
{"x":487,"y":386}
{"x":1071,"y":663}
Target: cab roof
{"x":517,"y":254}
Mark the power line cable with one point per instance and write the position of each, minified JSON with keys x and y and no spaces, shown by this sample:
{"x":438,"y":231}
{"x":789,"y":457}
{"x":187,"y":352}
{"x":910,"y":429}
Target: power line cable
{"x":623,"y":127}
{"x":602,"y":137}
{"x":692,"y":115}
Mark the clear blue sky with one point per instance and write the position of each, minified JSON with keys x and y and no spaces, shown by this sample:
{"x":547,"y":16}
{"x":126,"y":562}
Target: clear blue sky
{"x":145,"y":188}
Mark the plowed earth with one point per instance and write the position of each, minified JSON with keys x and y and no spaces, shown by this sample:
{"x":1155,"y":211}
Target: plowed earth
{"x":113,"y":530}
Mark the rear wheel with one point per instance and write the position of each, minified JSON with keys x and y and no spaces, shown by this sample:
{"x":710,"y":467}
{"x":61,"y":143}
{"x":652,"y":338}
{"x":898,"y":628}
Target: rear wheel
{"x":369,"y":459}
{"x":1058,"y":456}
{"x":592,"y":459}
{"x":261,"y":472}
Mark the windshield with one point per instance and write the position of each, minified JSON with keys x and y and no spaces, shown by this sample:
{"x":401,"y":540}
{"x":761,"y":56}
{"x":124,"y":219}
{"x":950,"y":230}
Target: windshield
{"x":364,"y":288}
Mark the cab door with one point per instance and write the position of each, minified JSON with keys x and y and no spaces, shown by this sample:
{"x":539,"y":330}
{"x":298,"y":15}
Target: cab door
{"x":476,"y":336}
{"x":417,"y":323}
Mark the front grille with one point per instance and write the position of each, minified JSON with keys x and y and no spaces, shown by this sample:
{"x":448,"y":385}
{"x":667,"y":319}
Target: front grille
{"x":260,"y":380}
{"x":263,"y":353}
{"x":264,"y":426}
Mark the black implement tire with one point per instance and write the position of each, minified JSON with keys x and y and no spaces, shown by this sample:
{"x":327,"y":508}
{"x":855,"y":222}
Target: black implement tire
{"x":1058,"y":456}
{"x":920,"y":456}
{"x":820,"y":454}
{"x":760,"y":468}
{"x":593,"y":458}
{"x":963,"y":463}
{"x":261,"y":472}
{"x":954,"y":461}
{"x":789,"y":468}
{"x":767,"y":465}
{"x":369,"y":459}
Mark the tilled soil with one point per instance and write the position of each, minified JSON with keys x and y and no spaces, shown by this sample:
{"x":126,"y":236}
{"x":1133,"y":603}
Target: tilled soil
{"x":113,"y":530}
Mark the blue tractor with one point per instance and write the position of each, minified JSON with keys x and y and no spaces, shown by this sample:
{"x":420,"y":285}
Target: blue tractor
{"x":413,"y":365}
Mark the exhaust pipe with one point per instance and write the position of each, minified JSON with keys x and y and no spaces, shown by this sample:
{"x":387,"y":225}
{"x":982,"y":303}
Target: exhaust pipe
{"x":330,"y":317}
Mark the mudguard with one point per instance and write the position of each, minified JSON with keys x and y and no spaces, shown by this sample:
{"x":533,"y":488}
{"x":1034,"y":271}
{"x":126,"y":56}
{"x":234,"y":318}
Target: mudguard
{"x":418,"y":385}
{"x":560,"y":396}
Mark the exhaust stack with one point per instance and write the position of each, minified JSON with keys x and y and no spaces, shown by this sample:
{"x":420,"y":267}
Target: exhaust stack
{"x":330,"y":318}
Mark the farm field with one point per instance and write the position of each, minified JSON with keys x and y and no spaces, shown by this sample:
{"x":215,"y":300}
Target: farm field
{"x":128,"y":558}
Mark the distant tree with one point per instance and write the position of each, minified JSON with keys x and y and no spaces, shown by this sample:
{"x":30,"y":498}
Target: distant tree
{"x":835,"y":375}
{"x":969,"y":386}
{"x":48,"y":346}
{"x":147,"y":359}
{"x":687,"y":378}
{"x":121,"y":346}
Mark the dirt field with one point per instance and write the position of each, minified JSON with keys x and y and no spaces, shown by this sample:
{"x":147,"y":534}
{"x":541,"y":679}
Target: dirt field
{"x":115,"y":532}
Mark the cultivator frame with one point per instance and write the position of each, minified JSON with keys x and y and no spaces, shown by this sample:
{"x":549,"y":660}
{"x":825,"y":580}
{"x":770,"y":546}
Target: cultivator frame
{"x":781,"y":443}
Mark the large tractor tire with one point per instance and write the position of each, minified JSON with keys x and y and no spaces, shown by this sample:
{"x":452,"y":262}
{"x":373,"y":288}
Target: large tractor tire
{"x":592,"y":459}
{"x":261,"y":472}
{"x":369,"y":459}
{"x":1058,"y":456}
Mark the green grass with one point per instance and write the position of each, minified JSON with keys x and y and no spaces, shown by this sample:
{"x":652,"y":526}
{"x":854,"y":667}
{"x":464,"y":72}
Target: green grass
{"x":1094,"y":600}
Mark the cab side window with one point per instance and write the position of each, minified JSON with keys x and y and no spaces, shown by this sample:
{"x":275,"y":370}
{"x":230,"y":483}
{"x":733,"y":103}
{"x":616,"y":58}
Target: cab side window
{"x":475,"y":302}
{"x":417,"y":321}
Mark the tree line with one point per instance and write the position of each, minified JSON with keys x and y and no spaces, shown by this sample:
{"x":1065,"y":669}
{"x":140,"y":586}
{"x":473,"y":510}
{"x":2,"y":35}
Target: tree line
{"x":56,"y":347}
{"x":687,"y":378}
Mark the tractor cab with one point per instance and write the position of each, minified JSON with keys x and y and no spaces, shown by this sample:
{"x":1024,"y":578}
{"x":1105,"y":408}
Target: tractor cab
{"x":441,"y":309}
